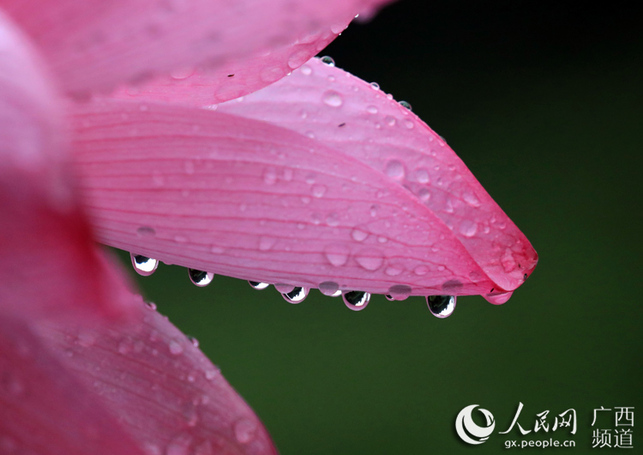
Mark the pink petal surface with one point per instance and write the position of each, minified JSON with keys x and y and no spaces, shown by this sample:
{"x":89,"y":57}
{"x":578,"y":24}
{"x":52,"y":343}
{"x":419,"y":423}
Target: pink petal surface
{"x":44,"y":408}
{"x":95,"y":44}
{"x":344,"y":112}
{"x":248,"y":199}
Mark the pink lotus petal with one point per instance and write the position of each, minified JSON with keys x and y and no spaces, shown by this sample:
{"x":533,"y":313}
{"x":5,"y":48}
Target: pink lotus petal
{"x":44,"y":408}
{"x":44,"y":239}
{"x":165,"y":394}
{"x":96,"y":44}
{"x":244,"y":198}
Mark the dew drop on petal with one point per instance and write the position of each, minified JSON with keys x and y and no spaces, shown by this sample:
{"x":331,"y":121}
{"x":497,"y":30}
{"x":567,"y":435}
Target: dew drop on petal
{"x":356,"y":300}
{"x":258,"y":285}
{"x":330,"y":288}
{"x":175,"y":347}
{"x":297,"y":295}
{"x":200,"y":278}
{"x":151,"y":305}
{"x":284,"y":288}
{"x":332,"y":98}
{"x":498,"y":299}
{"x":395,"y":169}
{"x":358,"y":235}
{"x":441,"y":306}
{"x":328,"y":60}
{"x":145,"y":231}
{"x":337,"y":255}
{"x":375,"y":85}
{"x":244,"y":431}
{"x":370,"y":260}
{"x":306,"y":70}
{"x":266,"y":243}
{"x":194,"y":341}
{"x":371,"y":109}
{"x":143,"y":265}
{"x":468,"y":228}
{"x":319,"y":191}
{"x":406,"y":105}
{"x":399,"y":291}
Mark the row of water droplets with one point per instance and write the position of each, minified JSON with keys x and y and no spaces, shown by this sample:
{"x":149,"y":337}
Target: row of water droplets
{"x":440,"y":306}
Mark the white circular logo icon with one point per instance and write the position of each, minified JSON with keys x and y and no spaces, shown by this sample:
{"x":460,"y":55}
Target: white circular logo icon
{"x":468,"y":430}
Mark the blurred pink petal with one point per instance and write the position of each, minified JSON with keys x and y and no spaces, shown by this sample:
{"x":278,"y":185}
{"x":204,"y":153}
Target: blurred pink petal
{"x":44,"y":239}
{"x":248,"y":199}
{"x":96,"y":44}
{"x":164,"y":393}
{"x":44,"y":407}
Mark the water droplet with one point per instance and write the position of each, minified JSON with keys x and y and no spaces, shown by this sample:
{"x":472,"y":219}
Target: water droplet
{"x":406,"y":105}
{"x":337,"y":255}
{"x":297,"y":295}
{"x":498,"y":299}
{"x":266,"y":243}
{"x":468,"y":228}
{"x":399,"y":291}
{"x":371,"y":109}
{"x":284,"y":288}
{"x":508,"y":262}
{"x":330,"y":288}
{"x":270,"y":176}
{"x":408,"y":124}
{"x":395,"y":169}
{"x":194,"y":341}
{"x":182,"y":73}
{"x":200,"y":278}
{"x":375,"y":85}
{"x":211,"y":373}
{"x":390,"y":121}
{"x":358,"y":235}
{"x":151,"y":305}
{"x":145,"y":231}
{"x":370,"y":260}
{"x":421,"y":270}
{"x":393,"y":270}
{"x":424,"y":195}
{"x":422,"y":176}
{"x":258,"y":285}
{"x":441,"y":306}
{"x":328,"y":60}
{"x":471,"y":199}
{"x":332,"y":220}
{"x":332,"y":98}
{"x":143,"y":265}
{"x":356,"y":300}
{"x":306,"y":70}
{"x":244,"y":431}
{"x":175,"y":348}
{"x":319,"y":191}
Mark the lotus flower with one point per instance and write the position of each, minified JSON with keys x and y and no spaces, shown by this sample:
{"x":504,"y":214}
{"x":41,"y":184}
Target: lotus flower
{"x":315,"y":180}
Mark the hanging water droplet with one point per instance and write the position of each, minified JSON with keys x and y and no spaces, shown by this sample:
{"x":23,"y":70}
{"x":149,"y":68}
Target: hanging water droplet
{"x":399,"y":291}
{"x":258,"y":285}
{"x":328,"y":60}
{"x":330,"y":288}
{"x":297,"y":295}
{"x":406,"y":105}
{"x":498,"y":299}
{"x":200,"y":278}
{"x":284,"y":288}
{"x":332,"y":98}
{"x":441,"y":306}
{"x":356,"y":300}
{"x":143,"y":265}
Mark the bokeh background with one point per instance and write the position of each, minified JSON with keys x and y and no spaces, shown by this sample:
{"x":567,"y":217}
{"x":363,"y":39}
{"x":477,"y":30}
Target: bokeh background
{"x":543,"y":101}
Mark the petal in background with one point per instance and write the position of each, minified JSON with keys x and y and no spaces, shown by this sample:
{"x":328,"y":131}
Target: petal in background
{"x":248,"y":199}
{"x":96,"y":44}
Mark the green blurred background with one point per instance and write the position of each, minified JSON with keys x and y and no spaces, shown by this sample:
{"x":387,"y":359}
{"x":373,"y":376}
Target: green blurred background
{"x":543,"y":101}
